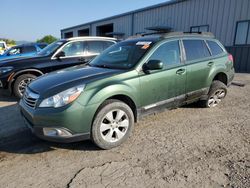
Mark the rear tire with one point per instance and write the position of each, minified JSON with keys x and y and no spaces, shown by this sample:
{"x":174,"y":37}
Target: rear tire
{"x":21,"y":83}
{"x":112,"y":125}
{"x":217,"y":93}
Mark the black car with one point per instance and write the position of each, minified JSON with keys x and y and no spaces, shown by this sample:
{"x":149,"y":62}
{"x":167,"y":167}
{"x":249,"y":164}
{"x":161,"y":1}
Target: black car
{"x":16,"y":74}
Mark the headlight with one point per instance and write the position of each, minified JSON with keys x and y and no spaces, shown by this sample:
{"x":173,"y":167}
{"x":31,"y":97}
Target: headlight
{"x":5,"y":69}
{"x":63,"y":98}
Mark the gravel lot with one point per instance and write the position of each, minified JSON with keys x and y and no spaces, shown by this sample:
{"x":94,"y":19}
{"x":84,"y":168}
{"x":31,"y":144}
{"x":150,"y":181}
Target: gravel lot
{"x":186,"y":147}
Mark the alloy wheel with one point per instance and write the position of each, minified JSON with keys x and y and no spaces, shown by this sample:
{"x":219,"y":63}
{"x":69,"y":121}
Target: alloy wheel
{"x":23,"y":84}
{"x":216,"y":98}
{"x":114,"y":125}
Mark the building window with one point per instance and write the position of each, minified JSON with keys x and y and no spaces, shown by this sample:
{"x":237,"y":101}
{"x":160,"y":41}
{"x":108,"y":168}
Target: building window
{"x":242,"y":33}
{"x":68,"y":35}
{"x":201,"y":28}
{"x":83,"y":32}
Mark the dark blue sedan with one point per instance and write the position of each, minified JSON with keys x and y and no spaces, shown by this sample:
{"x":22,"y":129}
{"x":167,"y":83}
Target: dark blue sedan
{"x":24,"y":50}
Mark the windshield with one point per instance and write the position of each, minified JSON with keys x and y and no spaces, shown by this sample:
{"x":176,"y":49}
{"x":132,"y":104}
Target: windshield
{"x":51,"y":48}
{"x":123,"y":55}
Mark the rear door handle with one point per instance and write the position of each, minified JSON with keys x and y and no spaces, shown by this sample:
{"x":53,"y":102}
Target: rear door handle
{"x":83,"y":60}
{"x":180,"y":71}
{"x":210,"y":64}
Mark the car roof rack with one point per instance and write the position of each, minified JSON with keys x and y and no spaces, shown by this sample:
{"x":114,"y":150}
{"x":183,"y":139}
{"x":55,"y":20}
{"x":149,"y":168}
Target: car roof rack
{"x":158,"y":30}
{"x":167,"y":33}
{"x":203,"y":34}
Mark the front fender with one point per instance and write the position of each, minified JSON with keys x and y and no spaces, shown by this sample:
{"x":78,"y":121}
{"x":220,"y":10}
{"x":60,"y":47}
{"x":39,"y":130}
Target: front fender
{"x":98,"y":96}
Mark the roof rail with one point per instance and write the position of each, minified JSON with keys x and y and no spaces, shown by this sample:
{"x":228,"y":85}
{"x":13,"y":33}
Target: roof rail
{"x":90,"y":37}
{"x":204,"y":34}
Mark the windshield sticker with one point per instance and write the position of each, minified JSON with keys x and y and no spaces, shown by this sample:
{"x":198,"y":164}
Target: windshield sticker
{"x":145,"y":47}
{"x":145,"y":44}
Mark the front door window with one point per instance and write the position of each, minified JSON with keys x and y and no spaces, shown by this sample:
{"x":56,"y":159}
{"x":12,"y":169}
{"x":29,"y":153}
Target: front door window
{"x":74,"y":49}
{"x":168,"y":53}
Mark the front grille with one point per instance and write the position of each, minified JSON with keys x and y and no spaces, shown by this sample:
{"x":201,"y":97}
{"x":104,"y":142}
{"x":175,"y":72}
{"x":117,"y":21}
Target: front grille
{"x":30,"y":98}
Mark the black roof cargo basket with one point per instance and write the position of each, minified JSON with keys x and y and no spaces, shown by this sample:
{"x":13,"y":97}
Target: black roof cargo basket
{"x":158,"y":30}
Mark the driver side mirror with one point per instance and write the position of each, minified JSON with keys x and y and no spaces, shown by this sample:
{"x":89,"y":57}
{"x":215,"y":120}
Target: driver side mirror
{"x":153,"y":65}
{"x":60,"y":54}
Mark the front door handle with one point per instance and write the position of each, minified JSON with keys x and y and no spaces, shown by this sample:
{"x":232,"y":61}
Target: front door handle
{"x":180,"y":71}
{"x":210,"y":64}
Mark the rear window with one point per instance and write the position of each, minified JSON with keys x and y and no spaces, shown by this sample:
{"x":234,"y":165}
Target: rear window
{"x":195,"y":49}
{"x":215,"y":48}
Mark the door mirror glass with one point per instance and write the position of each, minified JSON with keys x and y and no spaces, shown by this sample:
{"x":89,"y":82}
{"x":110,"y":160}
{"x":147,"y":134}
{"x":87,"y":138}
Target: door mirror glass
{"x":60,"y":54}
{"x":153,"y":65}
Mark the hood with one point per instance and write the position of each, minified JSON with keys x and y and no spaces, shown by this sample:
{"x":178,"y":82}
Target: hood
{"x":55,"y":82}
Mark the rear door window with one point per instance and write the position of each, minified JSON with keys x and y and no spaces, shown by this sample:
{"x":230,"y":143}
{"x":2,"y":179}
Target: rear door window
{"x":215,"y":48}
{"x":107,"y":44}
{"x":95,"y":47}
{"x":195,"y":49}
{"x":28,"y":49}
{"x":42,"y":46}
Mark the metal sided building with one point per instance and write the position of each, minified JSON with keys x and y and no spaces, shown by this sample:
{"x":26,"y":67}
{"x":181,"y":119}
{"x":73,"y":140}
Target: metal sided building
{"x":229,"y":20}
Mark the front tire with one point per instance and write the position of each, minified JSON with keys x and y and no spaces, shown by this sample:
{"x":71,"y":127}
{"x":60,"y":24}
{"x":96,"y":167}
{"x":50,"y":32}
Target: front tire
{"x":21,"y":83}
{"x":112,"y":125}
{"x":217,"y":93}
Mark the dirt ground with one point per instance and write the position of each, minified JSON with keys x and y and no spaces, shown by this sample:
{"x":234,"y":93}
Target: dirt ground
{"x":186,"y":147}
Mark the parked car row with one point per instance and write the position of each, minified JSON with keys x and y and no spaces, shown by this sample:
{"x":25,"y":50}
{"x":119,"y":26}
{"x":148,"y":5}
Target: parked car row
{"x":16,"y":74}
{"x":101,"y":99}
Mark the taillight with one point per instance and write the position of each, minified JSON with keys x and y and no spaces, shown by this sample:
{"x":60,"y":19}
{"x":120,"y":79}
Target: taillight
{"x":230,"y":58}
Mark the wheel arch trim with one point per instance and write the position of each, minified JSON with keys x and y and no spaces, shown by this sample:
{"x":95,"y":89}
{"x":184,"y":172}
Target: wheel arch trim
{"x":13,"y":76}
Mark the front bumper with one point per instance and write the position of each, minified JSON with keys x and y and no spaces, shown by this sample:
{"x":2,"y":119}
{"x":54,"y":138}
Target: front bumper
{"x":74,"y":119}
{"x":38,"y":131}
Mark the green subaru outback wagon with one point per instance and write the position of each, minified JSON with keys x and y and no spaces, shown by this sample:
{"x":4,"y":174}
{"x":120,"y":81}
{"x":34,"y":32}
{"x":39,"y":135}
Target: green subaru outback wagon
{"x":102,"y":100}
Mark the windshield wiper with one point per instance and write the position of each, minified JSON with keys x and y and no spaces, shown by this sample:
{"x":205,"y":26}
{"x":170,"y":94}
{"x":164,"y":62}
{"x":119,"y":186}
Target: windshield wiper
{"x":103,"y":66}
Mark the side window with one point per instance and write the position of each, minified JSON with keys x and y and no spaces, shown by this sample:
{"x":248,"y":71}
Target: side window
{"x":28,"y":49}
{"x":195,"y":49}
{"x":14,"y":51}
{"x":73,"y":49}
{"x":215,"y":48}
{"x":95,"y":47}
{"x":107,"y":44}
{"x":42,"y":46}
{"x":168,"y":53}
